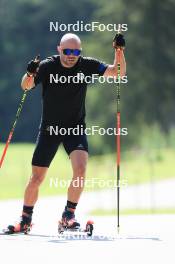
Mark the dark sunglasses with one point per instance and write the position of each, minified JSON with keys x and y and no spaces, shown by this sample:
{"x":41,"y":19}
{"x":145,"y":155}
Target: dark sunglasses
{"x":75,"y":52}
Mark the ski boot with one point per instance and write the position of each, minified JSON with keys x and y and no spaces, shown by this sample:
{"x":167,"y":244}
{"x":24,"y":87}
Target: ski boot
{"x":68,"y":222}
{"x":23,"y":226}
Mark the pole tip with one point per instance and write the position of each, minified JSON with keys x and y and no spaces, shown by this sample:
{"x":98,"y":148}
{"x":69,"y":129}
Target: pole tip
{"x":118,"y":230}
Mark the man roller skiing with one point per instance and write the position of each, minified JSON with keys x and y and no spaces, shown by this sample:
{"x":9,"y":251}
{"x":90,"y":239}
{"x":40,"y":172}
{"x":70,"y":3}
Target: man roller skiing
{"x":63,"y":106}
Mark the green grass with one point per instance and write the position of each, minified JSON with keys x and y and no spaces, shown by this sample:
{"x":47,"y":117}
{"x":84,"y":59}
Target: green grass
{"x":113,"y":212}
{"x":136,"y":167}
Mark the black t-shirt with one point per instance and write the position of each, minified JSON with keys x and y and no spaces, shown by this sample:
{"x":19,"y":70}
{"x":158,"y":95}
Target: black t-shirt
{"x":63,"y":99}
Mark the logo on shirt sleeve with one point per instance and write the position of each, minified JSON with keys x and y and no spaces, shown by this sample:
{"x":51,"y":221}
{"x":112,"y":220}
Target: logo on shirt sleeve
{"x":101,"y":67}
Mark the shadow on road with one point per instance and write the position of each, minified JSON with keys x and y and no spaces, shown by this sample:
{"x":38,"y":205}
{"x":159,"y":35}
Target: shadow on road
{"x":66,"y":237}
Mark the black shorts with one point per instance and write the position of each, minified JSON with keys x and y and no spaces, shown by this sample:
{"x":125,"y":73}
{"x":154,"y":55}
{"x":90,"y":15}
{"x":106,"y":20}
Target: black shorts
{"x":47,"y":146}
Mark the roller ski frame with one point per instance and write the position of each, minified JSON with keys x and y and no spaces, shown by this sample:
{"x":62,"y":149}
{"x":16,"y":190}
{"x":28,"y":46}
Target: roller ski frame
{"x":10,"y":230}
{"x":88,"y":228}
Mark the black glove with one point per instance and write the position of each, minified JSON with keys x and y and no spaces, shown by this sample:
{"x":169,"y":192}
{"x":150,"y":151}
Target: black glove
{"x":33,"y":65}
{"x":118,"y":41}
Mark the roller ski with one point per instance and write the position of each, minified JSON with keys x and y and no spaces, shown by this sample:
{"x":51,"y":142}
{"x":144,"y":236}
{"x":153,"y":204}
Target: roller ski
{"x":22,"y":227}
{"x":70,"y":224}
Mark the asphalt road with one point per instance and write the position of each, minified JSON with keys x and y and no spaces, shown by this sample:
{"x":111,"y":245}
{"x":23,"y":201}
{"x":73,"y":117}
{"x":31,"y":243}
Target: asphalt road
{"x":142,"y":239}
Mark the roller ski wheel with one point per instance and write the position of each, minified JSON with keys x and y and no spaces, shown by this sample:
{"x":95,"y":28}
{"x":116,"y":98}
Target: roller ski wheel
{"x":89,"y":227}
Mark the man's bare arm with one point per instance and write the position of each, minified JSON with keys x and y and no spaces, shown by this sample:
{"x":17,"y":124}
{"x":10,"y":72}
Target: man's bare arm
{"x":112,"y":69}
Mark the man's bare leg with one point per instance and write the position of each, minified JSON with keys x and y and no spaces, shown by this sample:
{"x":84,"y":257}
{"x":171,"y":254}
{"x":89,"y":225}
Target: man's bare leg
{"x":79,"y":160}
{"x":32,"y":189}
{"x":30,"y":198}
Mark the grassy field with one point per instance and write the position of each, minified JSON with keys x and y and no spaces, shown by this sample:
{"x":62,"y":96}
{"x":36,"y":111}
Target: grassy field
{"x":102,"y":212}
{"x":136,"y":167}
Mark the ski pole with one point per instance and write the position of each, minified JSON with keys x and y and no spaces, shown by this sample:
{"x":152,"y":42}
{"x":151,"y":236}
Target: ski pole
{"x":16,"y":119}
{"x":13,"y":127}
{"x":118,"y":139}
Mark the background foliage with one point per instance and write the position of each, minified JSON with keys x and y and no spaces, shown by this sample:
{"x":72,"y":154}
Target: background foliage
{"x":148,"y":99}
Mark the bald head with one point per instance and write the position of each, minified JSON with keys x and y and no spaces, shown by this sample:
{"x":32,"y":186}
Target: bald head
{"x":70,"y":39}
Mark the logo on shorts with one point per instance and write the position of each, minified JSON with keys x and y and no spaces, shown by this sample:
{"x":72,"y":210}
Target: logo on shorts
{"x":80,"y":146}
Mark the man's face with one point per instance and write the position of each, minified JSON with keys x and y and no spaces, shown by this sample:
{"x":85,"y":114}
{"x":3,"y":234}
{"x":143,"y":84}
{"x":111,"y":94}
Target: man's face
{"x":70,"y":59}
